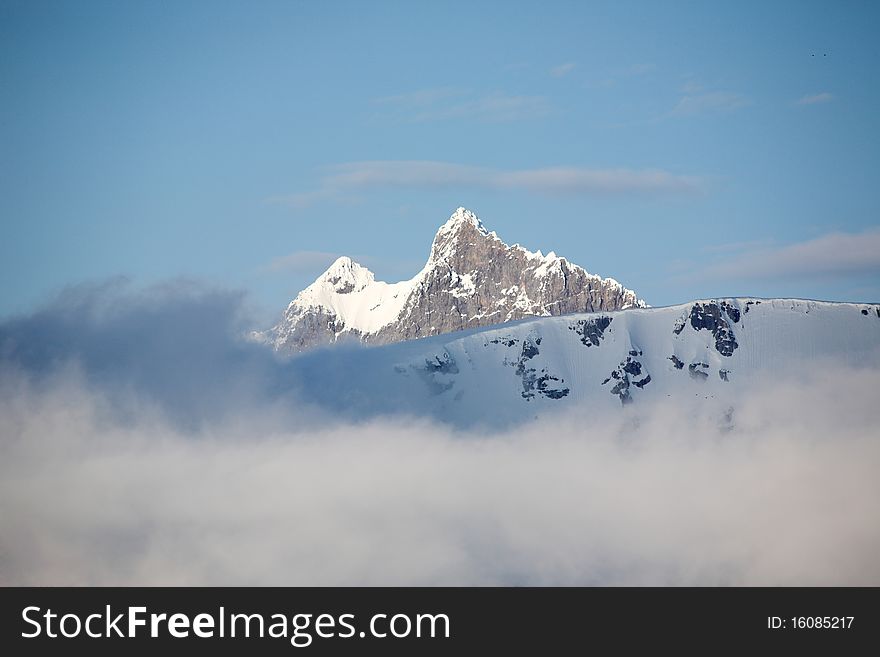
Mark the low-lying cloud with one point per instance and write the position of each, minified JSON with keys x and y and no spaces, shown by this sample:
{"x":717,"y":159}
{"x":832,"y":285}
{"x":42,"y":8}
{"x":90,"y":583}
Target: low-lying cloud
{"x":107,"y":478}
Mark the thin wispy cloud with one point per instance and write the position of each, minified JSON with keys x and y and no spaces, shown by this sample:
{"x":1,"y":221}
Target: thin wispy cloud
{"x":838,"y":253}
{"x":423,"y":174}
{"x":493,"y":107}
{"x":736,"y":247}
{"x":638,"y":69}
{"x":449,"y":103}
{"x":420,"y":97}
{"x":815,"y":99}
{"x":695,"y":100}
{"x":612,"y":78}
{"x":562,"y":70}
{"x":693,"y":104}
{"x":303,"y":200}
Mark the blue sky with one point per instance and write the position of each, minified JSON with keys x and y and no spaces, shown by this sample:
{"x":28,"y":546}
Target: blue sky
{"x":686,"y":149}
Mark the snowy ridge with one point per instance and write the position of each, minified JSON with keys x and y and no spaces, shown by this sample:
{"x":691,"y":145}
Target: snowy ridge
{"x":471,"y":278}
{"x":350,"y":292}
{"x":709,"y":350}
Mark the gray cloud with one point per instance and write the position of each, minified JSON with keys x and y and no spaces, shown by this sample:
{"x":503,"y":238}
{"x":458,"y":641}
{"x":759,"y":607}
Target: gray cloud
{"x":832,"y":254}
{"x":814,"y":99}
{"x":142,"y":443}
{"x":174,"y":347}
{"x":425,"y":174}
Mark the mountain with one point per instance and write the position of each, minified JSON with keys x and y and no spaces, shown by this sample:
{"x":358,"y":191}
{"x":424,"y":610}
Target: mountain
{"x":710,"y":352}
{"x":471,"y":279}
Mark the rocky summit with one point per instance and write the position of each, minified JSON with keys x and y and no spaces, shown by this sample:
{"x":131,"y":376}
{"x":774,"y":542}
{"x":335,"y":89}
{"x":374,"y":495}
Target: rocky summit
{"x":471,"y":279}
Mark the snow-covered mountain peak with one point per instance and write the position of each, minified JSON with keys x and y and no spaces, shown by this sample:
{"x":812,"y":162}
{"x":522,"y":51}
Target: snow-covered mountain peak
{"x":461,"y":217}
{"x":345,"y":275}
{"x":463,"y":242}
{"x":472,"y":278}
{"x":460,"y":233}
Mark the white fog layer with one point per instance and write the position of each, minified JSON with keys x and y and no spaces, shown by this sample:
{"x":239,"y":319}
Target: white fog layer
{"x":133,"y":455}
{"x":790,"y":496}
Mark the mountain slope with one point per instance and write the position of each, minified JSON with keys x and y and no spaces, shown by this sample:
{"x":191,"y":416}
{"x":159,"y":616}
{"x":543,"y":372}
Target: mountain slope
{"x":471,"y":279}
{"x":709,"y":351}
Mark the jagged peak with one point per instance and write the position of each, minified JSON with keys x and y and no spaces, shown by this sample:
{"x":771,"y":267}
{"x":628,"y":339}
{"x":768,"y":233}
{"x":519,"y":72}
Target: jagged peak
{"x":463,"y":222}
{"x":343,"y":276}
{"x":348,"y":292}
{"x":462,"y":217}
{"x":345,"y":267}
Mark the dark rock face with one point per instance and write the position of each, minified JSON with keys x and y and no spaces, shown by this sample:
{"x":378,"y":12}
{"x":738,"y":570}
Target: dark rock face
{"x":591,"y":331}
{"x":543,"y":387}
{"x":443,"y":364}
{"x":643,"y":382}
{"x":627,"y":368}
{"x":676,"y":361}
{"x":530,"y":349}
{"x":478,"y":280}
{"x":534,"y":381}
{"x":697,"y":373}
{"x":347,"y":287}
{"x":621,"y":389}
{"x":313,"y":329}
{"x":731,"y":311}
{"x":716,"y":318}
{"x":864,"y":311}
{"x":724,"y":374}
{"x":633,"y":367}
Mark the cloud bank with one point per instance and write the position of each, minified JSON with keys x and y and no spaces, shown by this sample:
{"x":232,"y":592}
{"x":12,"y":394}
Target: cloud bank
{"x":113,"y":471}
